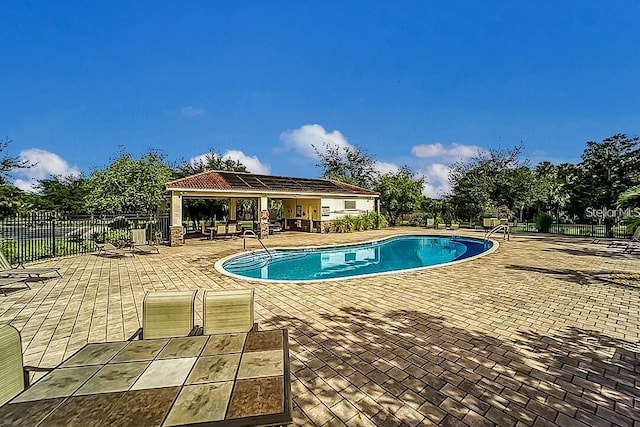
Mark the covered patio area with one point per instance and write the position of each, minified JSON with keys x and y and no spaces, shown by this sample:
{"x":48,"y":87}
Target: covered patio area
{"x":305,"y":204}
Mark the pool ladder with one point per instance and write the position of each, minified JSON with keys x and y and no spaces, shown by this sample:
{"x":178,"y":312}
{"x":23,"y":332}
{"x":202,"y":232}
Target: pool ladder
{"x":505,"y":229}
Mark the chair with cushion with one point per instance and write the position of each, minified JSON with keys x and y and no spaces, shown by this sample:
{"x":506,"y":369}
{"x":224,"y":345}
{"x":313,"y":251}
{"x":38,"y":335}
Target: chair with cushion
{"x":228,"y":311}
{"x":14,"y":376}
{"x":167,"y":314}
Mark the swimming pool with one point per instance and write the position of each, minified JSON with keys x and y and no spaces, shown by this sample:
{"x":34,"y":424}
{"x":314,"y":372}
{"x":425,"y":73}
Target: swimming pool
{"x":393,"y":254}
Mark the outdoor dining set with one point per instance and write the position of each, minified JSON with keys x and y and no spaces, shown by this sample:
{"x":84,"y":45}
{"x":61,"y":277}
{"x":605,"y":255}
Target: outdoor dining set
{"x":170,"y":372}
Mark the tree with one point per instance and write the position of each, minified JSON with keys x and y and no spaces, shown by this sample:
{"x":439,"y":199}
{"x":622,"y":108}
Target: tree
{"x":66,"y":194}
{"x":400,"y":193}
{"x":347,"y":164}
{"x":608,"y":169}
{"x":552,"y":187}
{"x":211,"y":161}
{"x":491,"y":179}
{"x":12,"y":199}
{"x":129,"y":185}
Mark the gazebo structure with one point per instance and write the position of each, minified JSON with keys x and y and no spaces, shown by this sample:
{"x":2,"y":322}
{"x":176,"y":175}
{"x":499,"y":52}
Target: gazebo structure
{"x":307,"y":204}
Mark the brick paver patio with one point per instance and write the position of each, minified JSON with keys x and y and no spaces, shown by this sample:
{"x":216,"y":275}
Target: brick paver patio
{"x":545,"y":331}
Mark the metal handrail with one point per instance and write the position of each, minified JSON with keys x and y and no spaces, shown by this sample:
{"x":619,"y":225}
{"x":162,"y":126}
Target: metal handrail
{"x":504,"y":227}
{"x":253,"y":235}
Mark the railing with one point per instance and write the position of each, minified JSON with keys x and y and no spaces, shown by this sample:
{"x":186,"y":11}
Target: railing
{"x":584,"y":230}
{"x":37,"y":235}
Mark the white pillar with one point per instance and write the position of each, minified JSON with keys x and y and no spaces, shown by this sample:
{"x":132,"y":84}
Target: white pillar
{"x":232,"y":209}
{"x":176,"y":209}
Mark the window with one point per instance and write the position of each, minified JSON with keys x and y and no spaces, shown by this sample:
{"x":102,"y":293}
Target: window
{"x":349,"y":204}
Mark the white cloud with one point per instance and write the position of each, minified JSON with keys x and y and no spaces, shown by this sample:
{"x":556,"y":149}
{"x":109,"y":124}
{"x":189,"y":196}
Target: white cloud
{"x":436,"y":180}
{"x":385,"y":167}
{"x":455,"y":152}
{"x":192,"y":111}
{"x":252,"y":163}
{"x":45,"y":165}
{"x":306,"y":137}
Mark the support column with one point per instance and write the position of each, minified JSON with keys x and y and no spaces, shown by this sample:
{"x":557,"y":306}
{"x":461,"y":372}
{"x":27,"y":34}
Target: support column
{"x":263,"y":217}
{"x":176,"y":231}
{"x":232,"y":209}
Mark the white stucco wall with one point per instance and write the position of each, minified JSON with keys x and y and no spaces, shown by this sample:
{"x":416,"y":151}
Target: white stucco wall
{"x":337,"y":208}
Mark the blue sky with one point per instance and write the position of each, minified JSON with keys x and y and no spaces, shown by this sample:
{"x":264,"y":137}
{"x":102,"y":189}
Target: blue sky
{"x":415,"y":83}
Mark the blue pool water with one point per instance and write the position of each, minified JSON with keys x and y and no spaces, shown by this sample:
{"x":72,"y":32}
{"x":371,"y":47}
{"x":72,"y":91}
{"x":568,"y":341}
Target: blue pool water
{"x":397,"y":253}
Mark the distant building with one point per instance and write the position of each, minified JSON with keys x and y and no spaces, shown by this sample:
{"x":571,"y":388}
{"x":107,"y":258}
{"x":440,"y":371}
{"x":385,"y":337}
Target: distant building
{"x":307,"y":204}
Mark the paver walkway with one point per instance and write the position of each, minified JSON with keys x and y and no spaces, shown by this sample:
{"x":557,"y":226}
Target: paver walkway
{"x":545,"y":331}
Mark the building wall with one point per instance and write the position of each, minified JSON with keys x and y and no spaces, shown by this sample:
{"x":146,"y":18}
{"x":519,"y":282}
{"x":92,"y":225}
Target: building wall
{"x":336,"y":208}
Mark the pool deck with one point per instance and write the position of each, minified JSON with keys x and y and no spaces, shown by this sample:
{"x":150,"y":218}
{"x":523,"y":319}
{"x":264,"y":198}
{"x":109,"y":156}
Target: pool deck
{"x":545,"y":331}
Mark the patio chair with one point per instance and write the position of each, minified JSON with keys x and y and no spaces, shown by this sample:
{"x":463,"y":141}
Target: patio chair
{"x":167,"y":314}
{"x":221,"y":232}
{"x":232,"y":230}
{"x":139,"y":239}
{"x":108,"y":249}
{"x":228,"y":311}
{"x":14,"y":376}
{"x":20,"y":270}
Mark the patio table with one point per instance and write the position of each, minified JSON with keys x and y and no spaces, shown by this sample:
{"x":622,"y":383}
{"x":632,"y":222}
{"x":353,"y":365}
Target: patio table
{"x":208,"y":380}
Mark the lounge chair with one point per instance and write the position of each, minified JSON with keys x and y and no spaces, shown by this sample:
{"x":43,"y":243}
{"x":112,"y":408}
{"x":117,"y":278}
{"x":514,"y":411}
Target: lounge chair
{"x":41,"y":273}
{"x":634,"y":239}
{"x":8,"y":281}
{"x":108,"y":249}
{"x":14,"y":376}
{"x":431,"y":223}
{"x":167,"y":314}
{"x":139,"y":239}
{"x":228,"y":311}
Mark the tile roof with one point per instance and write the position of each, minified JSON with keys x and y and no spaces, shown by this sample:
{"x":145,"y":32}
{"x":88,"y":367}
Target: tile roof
{"x":242,"y":181}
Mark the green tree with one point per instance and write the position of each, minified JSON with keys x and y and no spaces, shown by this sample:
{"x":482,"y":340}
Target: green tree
{"x":490,"y":179}
{"x":66,"y":194}
{"x":347,"y":164}
{"x":211,"y":161}
{"x":129,"y":185}
{"x":551,"y":186}
{"x":400,"y":193}
{"x":608,"y":169}
{"x":12,"y":199}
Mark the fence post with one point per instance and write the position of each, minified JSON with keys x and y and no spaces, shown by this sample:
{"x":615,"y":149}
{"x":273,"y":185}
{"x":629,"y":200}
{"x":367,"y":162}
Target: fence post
{"x":53,"y":236}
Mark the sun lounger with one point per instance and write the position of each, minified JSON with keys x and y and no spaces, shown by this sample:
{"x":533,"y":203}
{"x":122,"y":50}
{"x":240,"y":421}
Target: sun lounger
{"x":6,"y":270}
{"x":139,"y":239}
{"x":634,"y":239}
{"x":108,"y":249}
{"x":8,"y":281}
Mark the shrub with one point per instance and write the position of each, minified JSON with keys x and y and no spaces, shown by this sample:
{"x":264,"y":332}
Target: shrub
{"x":543,"y":222}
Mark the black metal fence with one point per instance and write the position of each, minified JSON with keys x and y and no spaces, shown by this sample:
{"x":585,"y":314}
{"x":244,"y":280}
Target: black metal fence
{"x":37,"y":235}
{"x":583,"y":230}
